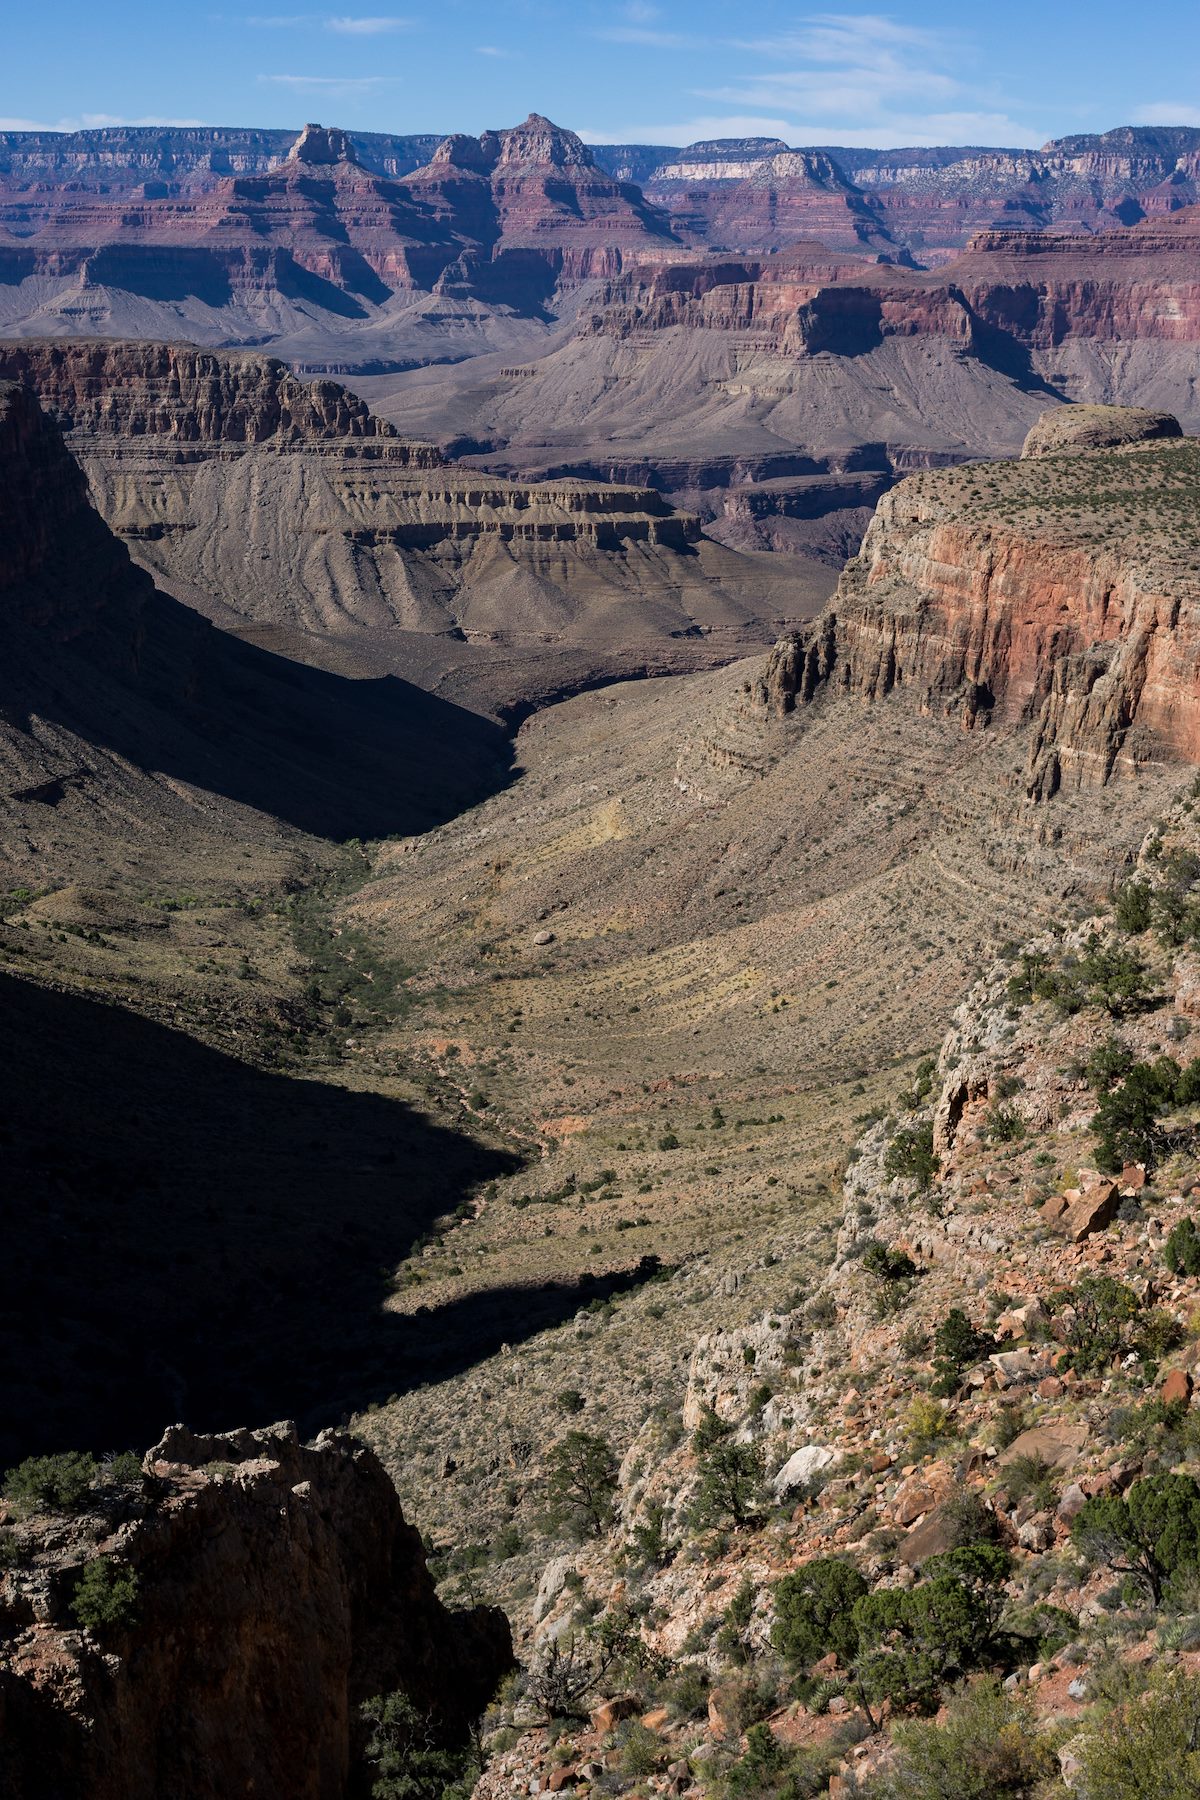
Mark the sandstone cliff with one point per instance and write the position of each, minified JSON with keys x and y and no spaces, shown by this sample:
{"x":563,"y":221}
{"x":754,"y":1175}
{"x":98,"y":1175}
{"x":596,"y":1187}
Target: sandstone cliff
{"x":289,"y":509}
{"x":278,"y":1587}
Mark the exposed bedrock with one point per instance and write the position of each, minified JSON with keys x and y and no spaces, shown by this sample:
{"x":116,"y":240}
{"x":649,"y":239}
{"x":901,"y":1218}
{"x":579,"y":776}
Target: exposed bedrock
{"x":278,"y":1587}
{"x":996,"y":605}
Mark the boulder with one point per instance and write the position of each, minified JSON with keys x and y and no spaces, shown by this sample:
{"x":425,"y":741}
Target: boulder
{"x":802,"y":1465}
{"x":1060,"y":1446}
{"x":1176,"y":1389}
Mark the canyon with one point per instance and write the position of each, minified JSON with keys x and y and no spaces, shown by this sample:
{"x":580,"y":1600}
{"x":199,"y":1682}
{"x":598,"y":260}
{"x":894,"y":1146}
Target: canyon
{"x":598,"y":755}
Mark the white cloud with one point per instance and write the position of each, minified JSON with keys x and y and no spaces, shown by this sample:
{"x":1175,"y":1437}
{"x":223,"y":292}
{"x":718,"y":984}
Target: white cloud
{"x":278,"y":21}
{"x":493,"y":50}
{"x":90,"y":122}
{"x":327,"y":84}
{"x":368,"y":27}
{"x":1166,"y":112}
{"x":863,"y":79}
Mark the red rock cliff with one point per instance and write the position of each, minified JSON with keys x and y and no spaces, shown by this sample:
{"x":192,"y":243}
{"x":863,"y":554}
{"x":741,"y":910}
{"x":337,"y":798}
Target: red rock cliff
{"x":1038,"y":608}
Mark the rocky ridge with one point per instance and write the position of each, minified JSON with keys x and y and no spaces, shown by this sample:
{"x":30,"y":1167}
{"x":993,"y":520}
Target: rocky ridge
{"x":373,"y":552}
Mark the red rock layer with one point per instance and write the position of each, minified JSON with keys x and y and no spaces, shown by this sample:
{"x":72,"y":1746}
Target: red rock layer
{"x":109,"y":388}
{"x":1097,"y":653}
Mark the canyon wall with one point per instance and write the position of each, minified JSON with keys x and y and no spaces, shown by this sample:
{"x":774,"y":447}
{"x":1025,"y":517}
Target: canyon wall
{"x":986,"y":596}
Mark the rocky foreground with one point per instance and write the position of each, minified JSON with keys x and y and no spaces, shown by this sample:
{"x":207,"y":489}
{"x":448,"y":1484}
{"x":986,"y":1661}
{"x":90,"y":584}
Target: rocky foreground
{"x":212,"y":1622}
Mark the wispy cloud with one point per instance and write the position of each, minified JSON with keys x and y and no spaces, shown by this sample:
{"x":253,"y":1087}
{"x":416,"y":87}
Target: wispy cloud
{"x":279,"y":21}
{"x":335,"y":85}
{"x":854,"y":78}
{"x":90,"y":121}
{"x":493,"y":50}
{"x":1166,"y":112}
{"x":377,"y":26}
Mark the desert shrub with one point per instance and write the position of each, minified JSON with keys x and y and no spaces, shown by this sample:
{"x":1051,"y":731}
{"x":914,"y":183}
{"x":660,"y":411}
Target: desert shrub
{"x":1109,"y":1062}
{"x":1132,"y":908}
{"x":582,"y":1481}
{"x":813,"y":1612}
{"x":1004,"y":1124}
{"x":1151,"y":1535}
{"x":910,"y":1642}
{"x":409,"y":1761}
{"x":59,"y":1483}
{"x":957,"y":1346}
{"x":1182,"y":1252}
{"x":769,"y":1771}
{"x":926,"y":1422}
{"x":685,"y":1693}
{"x":1031,"y":1478}
{"x":988,"y":1747}
{"x":641,"y":1751}
{"x":910,"y":1155}
{"x":570,"y":1401}
{"x":1149,"y":1746}
{"x":648,"y":1539}
{"x":730,"y":1484}
{"x":1115,"y":978}
{"x":711,"y":1429}
{"x":964,"y":1519}
{"x":888,"y":1265}
{"x":1098,"y":1314}
{"x":105,"y":1597}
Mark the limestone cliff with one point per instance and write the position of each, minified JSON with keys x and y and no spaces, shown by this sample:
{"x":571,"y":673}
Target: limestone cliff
{"x":278,"y":1586}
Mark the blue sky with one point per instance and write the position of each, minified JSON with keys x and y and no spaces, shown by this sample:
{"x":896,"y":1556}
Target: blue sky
{"x":631,"y":70}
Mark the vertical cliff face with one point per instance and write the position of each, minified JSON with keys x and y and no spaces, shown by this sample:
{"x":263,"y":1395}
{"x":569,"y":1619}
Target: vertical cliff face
{"x":175,"y":392}
{"x":987,"y":594}
{"x":278,"y":1586}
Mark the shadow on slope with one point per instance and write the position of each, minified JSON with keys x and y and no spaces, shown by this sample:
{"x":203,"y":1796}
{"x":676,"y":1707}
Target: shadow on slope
{"x":186,"y":1237}
{"x":149,"y":680}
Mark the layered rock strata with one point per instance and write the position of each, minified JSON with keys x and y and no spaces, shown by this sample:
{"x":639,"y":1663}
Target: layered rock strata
{"x":987,"y":595}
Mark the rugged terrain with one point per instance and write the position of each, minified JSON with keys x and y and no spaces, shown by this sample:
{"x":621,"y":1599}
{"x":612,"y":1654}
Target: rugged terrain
{"x":288,"y":513}
{"x":313,"y":1619}
{"x":501,"y":1115}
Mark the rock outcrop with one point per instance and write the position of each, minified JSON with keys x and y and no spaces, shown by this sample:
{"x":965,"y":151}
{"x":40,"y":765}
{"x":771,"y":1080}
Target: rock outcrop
{"x":986,"y":594}
{"x":278,"y":1587}
{"x":1097,"y":428}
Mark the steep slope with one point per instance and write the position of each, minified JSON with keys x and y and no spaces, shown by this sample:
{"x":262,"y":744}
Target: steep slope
{"x":930,"y":201}
{"x":293,"y":515}
{"x":718,"y":930}
{"x":324,"y":255}
{"x":122,"y":705}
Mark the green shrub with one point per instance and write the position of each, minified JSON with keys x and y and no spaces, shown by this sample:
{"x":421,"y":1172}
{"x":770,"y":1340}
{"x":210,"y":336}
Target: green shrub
{"x":910,"y":1155}
{"x":888,"y":1265}
{"x":730,"y":1484}
{"x":105,"y":1597}
{"x":1148,"y":1746}
{"x":1132,"y":907}
{"x":582,"y":1480}
{"x":1182,"y":1253}
{"x":957,"y":1346}
{"x":1151,"y":1535}
{"x":410,"y":1762}
{"x":813,"y":1612}
{"x":988,"y":1747}
{"x":59,"y":1483}
{"x":1098,"y":1313}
